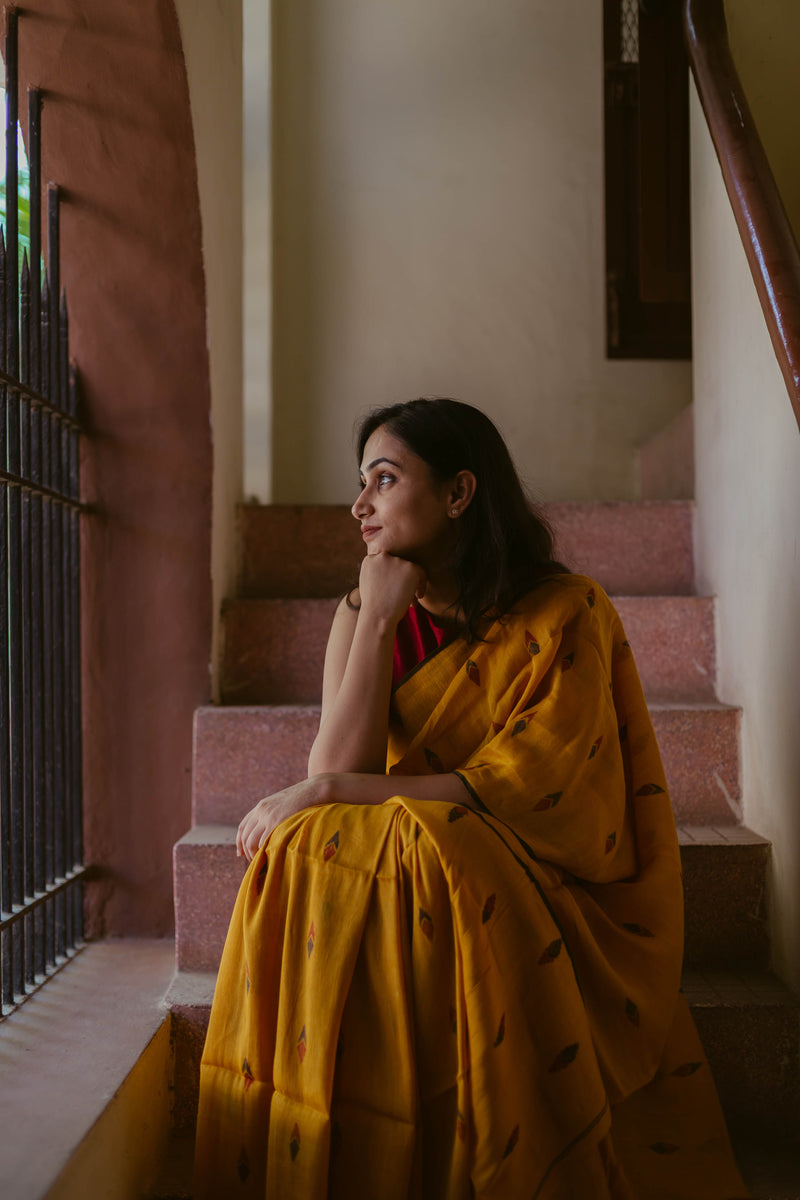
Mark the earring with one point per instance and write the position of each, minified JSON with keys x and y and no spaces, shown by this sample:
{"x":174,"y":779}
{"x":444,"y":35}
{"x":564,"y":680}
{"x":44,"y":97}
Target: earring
{"x":453,"y":512}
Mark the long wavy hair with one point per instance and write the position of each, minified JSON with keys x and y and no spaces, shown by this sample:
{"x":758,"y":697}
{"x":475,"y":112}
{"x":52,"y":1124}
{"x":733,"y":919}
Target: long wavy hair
{"x":505,"y":545}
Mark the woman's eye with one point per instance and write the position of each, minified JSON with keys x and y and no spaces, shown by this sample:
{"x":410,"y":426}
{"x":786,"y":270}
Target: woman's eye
{"x":384,"y":478}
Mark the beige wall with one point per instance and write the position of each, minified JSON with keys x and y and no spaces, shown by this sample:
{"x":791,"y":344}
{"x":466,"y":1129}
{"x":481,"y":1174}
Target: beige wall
{"x":765,"y":40}
{"x":257,"y":265}
{"x":211,"y":36}
{"x":438,"y":228}
{"x":748,"y":501}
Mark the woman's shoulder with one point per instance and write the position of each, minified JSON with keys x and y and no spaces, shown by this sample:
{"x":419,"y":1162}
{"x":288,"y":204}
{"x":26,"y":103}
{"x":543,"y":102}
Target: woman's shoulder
{"x":559,"y":599}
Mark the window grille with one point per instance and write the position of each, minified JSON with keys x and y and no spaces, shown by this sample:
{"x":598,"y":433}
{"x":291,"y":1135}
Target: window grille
{"x":629,"y":31}
{"x":648,"y":279}
{"x":41,"y":871}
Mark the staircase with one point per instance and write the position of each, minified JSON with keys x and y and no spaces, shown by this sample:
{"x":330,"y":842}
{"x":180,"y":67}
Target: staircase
{"x":293,"y":561}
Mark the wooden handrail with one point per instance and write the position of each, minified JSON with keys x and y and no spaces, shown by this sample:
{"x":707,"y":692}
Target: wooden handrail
{"x":766,"y":233}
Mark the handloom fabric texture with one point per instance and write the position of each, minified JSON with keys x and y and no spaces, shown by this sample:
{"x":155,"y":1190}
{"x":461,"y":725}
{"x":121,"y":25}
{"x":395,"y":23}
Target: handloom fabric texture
{"x":445,"y":1001}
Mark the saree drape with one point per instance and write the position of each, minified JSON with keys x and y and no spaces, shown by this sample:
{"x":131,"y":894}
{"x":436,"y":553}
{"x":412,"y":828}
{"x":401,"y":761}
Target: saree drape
{"x":480,"y":999}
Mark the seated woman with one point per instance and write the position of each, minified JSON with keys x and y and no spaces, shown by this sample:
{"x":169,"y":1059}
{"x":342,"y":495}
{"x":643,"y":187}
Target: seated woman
{"x":453,"y":968}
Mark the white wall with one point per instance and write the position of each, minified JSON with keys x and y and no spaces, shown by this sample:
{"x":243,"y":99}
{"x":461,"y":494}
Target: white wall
{"x":257,"y":264}
{"x":211,"y":35}
{"x":747,"y":450}
{"x":439,"y":229}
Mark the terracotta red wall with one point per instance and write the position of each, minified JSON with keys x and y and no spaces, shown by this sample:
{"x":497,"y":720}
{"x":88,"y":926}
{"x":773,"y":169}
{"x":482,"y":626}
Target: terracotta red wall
{"x":117,"y":137}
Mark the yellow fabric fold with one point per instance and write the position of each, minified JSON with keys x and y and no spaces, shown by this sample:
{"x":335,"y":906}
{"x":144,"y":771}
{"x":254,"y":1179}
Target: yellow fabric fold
{"x":429,"y":1000}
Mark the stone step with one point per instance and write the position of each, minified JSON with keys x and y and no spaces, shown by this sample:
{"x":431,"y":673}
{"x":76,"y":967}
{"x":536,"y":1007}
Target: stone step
{"x":747,"y":1020}
{"x":724,"y":871}
{"x":635,"y":549}
{"x":273,"y":650}
{"x":748,"y":1023}
{"x":244,"y":753}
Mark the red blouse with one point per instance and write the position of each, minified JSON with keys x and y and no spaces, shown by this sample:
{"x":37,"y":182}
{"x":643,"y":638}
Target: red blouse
{"x":418,"y":635}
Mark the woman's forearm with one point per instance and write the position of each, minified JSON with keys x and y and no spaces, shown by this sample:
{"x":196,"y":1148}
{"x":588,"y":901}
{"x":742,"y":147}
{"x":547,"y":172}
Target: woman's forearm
{"x":354,"y":732}
{"x":347,"y":787}
{"x":355,"y":788}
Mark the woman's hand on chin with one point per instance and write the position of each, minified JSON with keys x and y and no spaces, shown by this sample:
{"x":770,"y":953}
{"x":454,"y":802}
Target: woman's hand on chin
{"x":387,"y":585}
{"x":258,"y":824}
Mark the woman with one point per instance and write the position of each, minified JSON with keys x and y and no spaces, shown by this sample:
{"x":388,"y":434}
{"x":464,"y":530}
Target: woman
{"x":453,"y":968}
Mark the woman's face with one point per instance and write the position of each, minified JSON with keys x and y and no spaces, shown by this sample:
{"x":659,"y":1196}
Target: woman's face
{"x":402,"y":510}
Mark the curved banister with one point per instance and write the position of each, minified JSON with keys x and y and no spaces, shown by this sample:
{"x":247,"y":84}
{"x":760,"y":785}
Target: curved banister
{"x":769,"y":242}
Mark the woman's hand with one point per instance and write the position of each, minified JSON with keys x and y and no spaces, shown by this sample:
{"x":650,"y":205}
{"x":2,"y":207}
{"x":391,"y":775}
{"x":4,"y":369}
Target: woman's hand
{"x":255,"y":828}
{"x":387,"y":585}
{"x":349,"y":787}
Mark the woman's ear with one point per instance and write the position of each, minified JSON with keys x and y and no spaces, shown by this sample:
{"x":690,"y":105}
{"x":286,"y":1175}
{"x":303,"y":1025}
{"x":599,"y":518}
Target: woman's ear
{"x":462,"y":489}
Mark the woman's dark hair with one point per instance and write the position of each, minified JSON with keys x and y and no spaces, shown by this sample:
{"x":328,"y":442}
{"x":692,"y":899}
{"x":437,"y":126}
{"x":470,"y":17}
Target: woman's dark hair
{"x":505,"y":545}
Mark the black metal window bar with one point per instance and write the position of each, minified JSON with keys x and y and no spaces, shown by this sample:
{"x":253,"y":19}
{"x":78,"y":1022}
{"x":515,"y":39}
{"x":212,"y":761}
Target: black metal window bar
{"x":41,"y":872}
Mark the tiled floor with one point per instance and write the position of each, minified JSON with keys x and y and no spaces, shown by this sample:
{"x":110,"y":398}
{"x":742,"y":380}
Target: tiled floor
{"x":734,"y":988}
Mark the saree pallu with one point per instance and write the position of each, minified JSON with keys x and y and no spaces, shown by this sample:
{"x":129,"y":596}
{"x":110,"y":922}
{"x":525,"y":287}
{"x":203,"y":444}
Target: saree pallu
{"x":480,"y":999}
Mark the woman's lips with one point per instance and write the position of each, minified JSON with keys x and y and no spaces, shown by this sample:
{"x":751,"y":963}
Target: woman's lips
{"x":368,"y":530}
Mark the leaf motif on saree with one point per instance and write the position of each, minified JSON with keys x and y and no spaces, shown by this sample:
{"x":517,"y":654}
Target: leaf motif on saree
{"x":551,"y":953}
{"x":501,"y":1031}
{"x":261,"y":878}
{"x":461,"y":1126}
{"x":686,"y":1069}
{"x":611,"y":841}
{"x":595,"y":747}
{"x":520,"y":725}
{"x":426,"y":924}
{"x":631,"y":1012}
{"x":302,"y":1045}
{"x":472,"y":672}
{"x":248,"y":1075}
{"x":548,"y":801}
{"x":312,"y":937}
{"x":531,"y":643}
{"x":650,"y":789}
{"x":456,"y":813}
{"x":488,"y":907}
{"x":512,"y":1141}
{"x":294,"y":1143}
{"x":564,"y":1058}
{"x":590,"y":596}
{"x":639,"y":930}
{"x":568,"y":661}
{"x":331,"y":846}
{"x":246,"y":978}
{"x":434,"y":762}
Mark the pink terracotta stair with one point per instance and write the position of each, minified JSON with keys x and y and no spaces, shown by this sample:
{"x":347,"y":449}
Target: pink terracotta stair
{"x":274,"y":649}
{"x":314,"y":550}
{"x":724,"y":877}
{"x":294,"y":562}
{"x":242,"y":754}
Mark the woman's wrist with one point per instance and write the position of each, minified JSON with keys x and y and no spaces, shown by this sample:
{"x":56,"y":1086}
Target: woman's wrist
{"x":377,"y":625}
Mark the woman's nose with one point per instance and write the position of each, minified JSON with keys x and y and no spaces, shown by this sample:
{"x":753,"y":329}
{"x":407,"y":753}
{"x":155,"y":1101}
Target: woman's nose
{"x":361,"y":506}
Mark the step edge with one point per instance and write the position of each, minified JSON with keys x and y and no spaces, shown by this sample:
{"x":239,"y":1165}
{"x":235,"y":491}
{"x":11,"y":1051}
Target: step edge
{"x":200,"y":985}
{"x":218,"y":833}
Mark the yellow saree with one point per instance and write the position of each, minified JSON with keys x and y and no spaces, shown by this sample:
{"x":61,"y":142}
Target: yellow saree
{"x":428,"y":1000}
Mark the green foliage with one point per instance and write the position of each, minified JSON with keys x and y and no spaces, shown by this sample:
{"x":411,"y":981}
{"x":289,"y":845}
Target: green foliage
{"x":23,"y":192}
